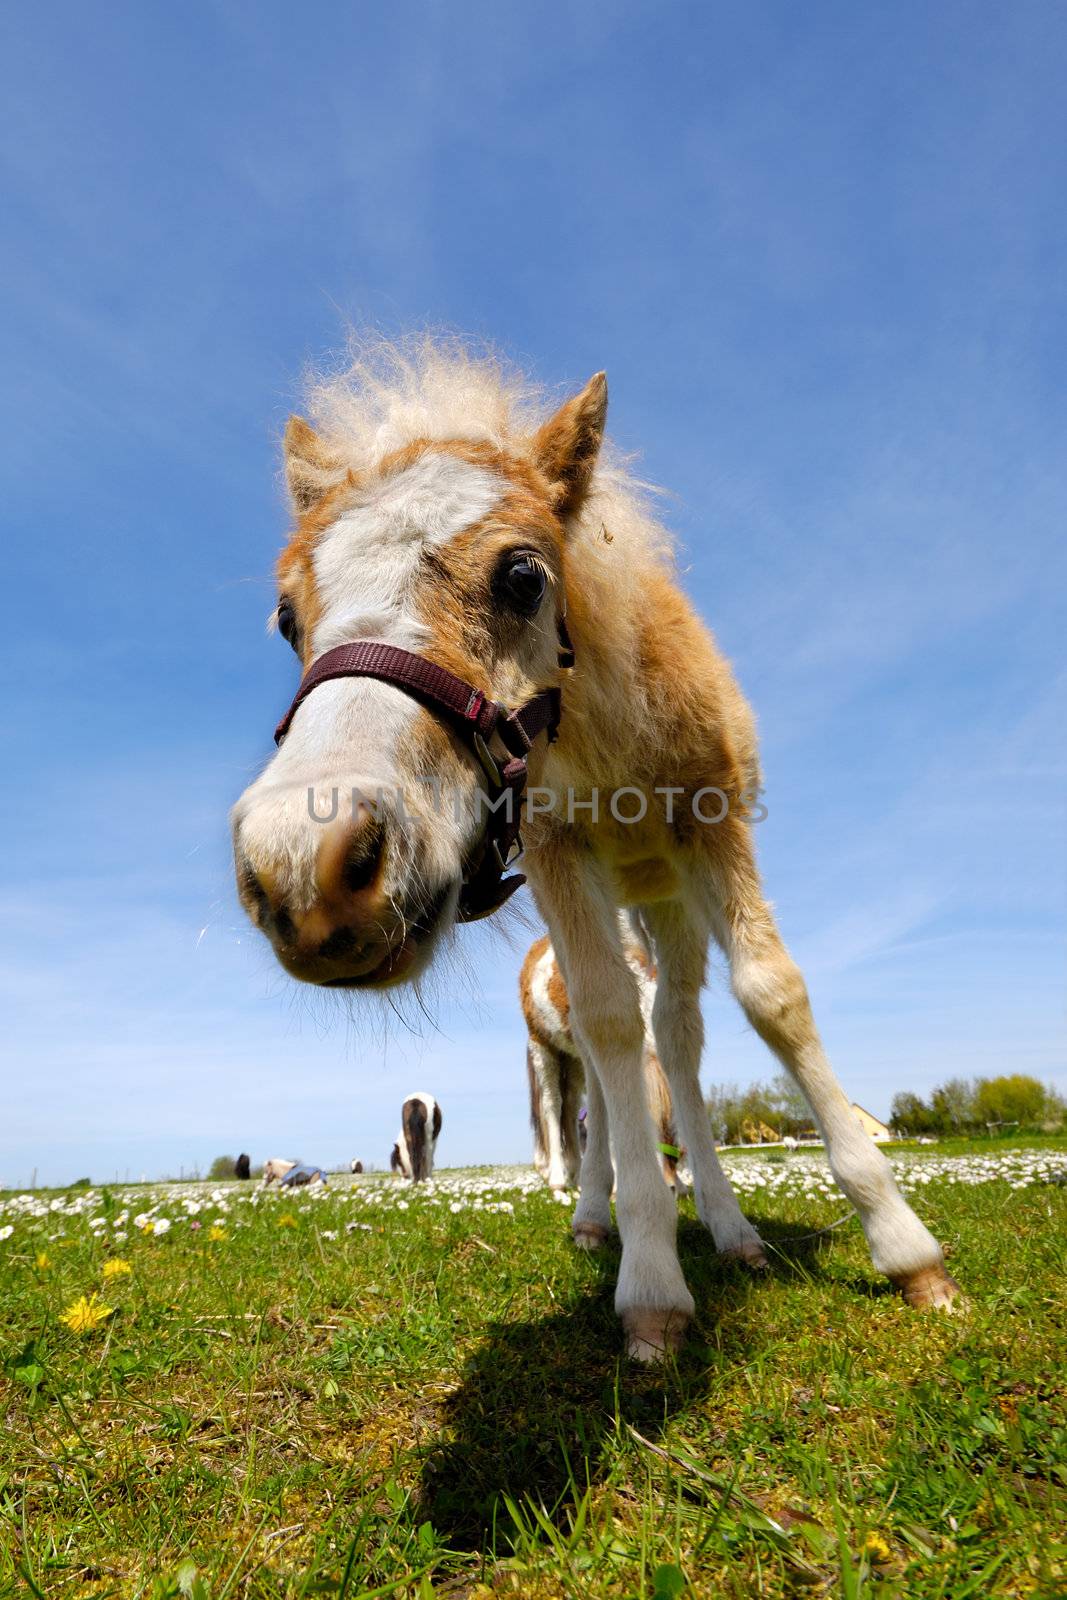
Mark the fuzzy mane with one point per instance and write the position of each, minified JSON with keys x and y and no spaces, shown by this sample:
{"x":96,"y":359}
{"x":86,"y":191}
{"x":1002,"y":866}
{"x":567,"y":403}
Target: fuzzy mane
{"x":388,"y":393}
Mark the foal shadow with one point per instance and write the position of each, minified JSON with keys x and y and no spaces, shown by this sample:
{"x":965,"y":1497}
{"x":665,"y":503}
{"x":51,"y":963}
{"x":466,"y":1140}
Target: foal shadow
{"x":541,"y":1400}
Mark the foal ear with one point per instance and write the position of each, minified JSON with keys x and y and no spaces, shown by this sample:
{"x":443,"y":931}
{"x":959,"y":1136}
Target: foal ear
{"x":566,"y":447}
{"x":311,"y":468}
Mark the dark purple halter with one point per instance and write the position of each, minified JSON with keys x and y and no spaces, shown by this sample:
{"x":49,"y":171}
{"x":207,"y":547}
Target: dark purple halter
{"x":475,"y":718}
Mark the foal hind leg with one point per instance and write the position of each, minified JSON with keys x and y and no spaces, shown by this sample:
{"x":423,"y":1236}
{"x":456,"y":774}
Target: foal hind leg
{"x":573,"y":1081}
{"x":548,"y":1067}
{"x":591,"y":1224}
{"x":678,"y":1026}
{"x":534,"y":1077}
{"x":771,"y":990}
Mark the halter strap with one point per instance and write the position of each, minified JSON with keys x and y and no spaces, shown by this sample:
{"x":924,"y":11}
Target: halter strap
{"x":475,"y":718}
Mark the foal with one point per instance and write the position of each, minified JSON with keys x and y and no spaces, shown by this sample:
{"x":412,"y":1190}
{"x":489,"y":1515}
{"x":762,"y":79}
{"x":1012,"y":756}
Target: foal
{"x":558,"y":1080}
{"x":456,"y":552}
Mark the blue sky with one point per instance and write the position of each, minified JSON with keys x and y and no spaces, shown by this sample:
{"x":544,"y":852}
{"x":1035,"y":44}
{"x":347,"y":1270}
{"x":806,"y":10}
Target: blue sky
{"x":819,"y":250}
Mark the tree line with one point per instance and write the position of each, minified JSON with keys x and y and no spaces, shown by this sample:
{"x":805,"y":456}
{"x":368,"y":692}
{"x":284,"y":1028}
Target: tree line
{"x":962,"y":1105}
{"x":977,"y":1105}
{"x":740,"y":1116}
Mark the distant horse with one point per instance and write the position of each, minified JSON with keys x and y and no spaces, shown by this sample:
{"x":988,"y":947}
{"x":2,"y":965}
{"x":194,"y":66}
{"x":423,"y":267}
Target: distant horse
{"x":242,"y":1167}
{"x":356,"y":1167}
{"x":480,"y":597}
{"x":301,"y":1176}
{"x":420,"y":1126}
{"x":558,"y":1080}
{"x":275,"y":1169}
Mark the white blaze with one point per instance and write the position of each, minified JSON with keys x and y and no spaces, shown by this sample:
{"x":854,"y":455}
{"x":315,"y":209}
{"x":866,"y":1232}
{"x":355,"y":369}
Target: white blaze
{"x":366,"y":564}
{"x":346,"y":733}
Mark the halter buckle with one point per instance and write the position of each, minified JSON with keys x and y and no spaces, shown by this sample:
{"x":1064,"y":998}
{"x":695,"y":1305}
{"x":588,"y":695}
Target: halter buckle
{"x":500,"y":860}
{"x":489,"y":764}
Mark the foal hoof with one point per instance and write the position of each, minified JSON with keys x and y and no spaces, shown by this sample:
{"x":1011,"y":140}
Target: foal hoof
{"x":590,"y":1235}
{"x":652,"y":1334}
{"x":750,"y":1256}
{"x":929,"y":1287}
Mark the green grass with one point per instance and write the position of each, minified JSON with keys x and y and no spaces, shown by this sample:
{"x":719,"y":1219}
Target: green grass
{"x":437,"y":1406}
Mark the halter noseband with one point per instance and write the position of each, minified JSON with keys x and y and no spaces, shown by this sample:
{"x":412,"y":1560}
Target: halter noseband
{"x":475,"y":718}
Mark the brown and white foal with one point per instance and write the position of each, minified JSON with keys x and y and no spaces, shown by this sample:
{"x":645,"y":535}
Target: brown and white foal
{"x":559,"y":1082}
{"x":439,"y":511}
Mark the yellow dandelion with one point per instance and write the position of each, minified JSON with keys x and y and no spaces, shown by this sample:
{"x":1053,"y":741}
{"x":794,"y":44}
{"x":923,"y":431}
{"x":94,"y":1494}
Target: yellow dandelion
{"x":875,"y":1548}
{"x":43,"y":1261}
{"x":287,"y":1220}
{"x":116,"y":1268}
{"x":86,"y":1314}
{"x":216,"y":1233}
{"x":148,"y":1227}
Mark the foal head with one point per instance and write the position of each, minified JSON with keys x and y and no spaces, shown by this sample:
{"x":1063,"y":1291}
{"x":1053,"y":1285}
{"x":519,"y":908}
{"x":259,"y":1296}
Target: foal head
{"x":448,"y":546}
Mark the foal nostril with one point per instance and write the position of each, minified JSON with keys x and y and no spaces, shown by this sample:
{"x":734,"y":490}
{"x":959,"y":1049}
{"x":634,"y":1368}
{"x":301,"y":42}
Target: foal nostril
{"x":253,"y":893}
{"x":363,"y":857}
{"x":349,"y":861}
{"x":342,"y":942}
{"x":273,"y":919}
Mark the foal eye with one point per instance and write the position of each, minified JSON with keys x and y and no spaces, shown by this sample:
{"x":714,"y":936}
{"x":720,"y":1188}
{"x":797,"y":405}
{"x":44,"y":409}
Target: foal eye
{"x":287,"y":625}
{"x":522,"y":582}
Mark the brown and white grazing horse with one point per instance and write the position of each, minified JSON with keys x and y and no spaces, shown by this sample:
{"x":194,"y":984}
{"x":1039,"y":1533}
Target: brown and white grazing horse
{"x":420,"y":1129}
{"x":558,"y":1081}
{"x":465,"y":576}
{"x":275,"y":1169}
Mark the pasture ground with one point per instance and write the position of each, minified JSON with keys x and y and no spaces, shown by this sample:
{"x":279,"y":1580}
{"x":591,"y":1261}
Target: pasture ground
{"x":381,"y":1392}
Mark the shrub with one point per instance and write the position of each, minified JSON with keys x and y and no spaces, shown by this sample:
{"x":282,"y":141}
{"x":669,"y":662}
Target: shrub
{"x":1014,"y":1100}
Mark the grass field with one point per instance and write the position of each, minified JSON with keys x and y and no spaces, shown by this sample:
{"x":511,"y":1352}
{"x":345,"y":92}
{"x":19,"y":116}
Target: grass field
{"x":388,"y":1392}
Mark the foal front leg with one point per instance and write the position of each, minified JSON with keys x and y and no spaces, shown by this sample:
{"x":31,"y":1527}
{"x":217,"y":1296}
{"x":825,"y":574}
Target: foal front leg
{"x":772,"y":992}
{"x":651,"y":1295}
